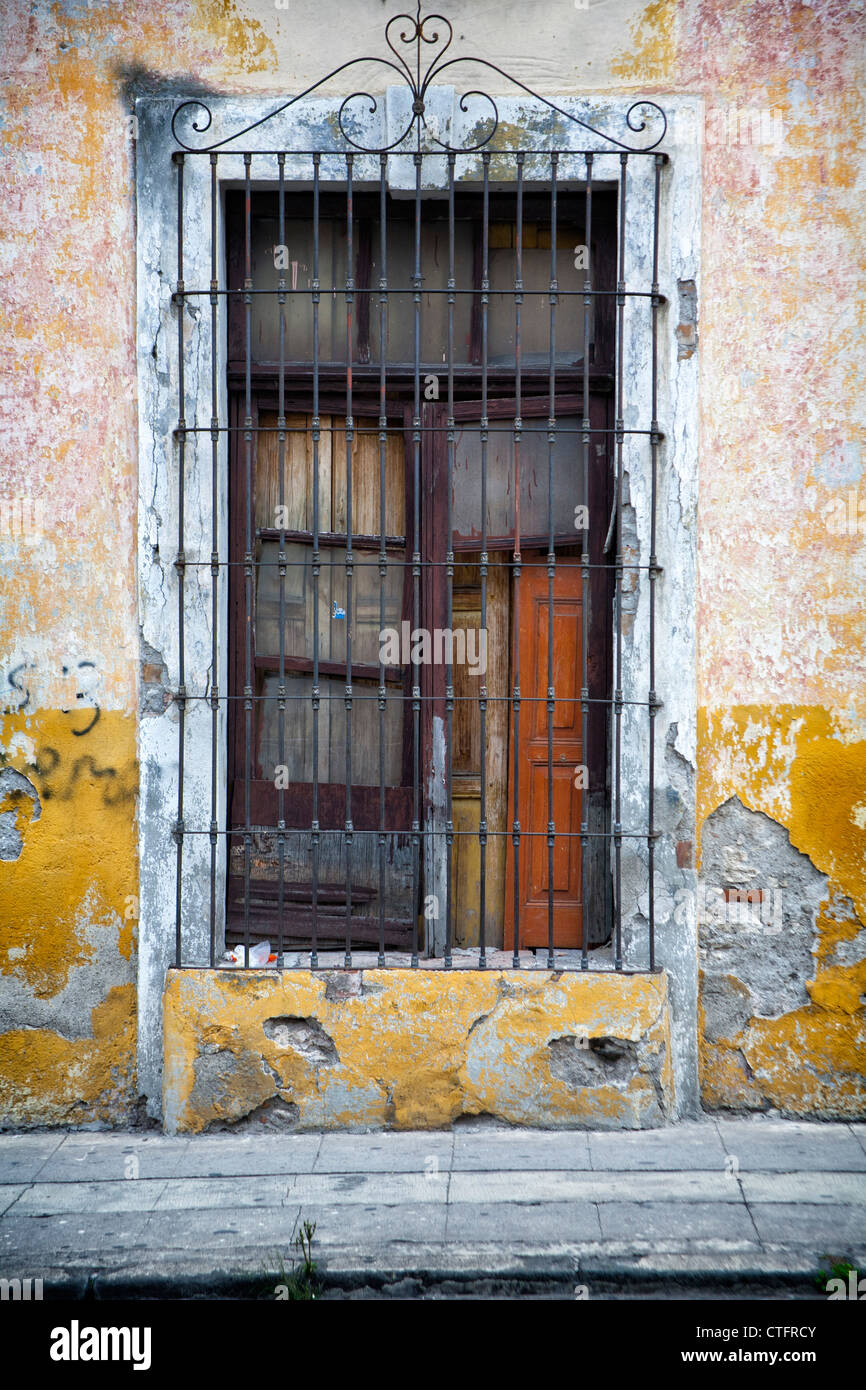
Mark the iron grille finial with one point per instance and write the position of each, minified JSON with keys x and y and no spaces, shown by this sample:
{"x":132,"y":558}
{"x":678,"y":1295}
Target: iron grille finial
{"x":418,"y":30}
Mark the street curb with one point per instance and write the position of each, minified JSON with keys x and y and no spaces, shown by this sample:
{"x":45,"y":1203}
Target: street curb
{"x":352,"y":1270}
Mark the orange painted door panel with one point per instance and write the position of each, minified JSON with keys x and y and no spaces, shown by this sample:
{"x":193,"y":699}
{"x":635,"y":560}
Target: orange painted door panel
{"x":530,"y":655}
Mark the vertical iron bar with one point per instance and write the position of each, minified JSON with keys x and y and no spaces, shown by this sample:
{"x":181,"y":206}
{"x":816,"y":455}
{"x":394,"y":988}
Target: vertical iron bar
{"x":518,"y":425}
{"x":281,"y":426}
{"x":416,"y":569}
{"x":383,"y":558}
{"x":350,"y":436}
{"x":214,"y":552}
{"x":180,"y":563}
{"x":316,"y":430}
{"x":618,"y":693}
{"x":449,"y":578}
{"x":654,"y":448}
{"x":551,"y":557}
{"x":482,"y":700}
{"x":249,"y":556}
{"x":584,"y":561}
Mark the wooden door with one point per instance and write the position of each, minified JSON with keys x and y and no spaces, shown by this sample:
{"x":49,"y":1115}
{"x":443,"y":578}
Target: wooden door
{"x":530,"y":650}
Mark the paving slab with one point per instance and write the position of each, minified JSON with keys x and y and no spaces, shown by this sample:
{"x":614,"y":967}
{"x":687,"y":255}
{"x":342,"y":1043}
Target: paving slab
{"x":835,"y":1230}
{"x":410,"y":1223}
{"x":158,"y":1155}
{"x":379,"y":1189}
{"x":592,"y":1187}
{"x":56,"y":1198}
{"x":493,"y":1151}
{"x":271,"y":1230}
{"x":387,"y":1153}
{"x":684,"y":1221}
{"x":9,"y":1194}
{"x":848,"y":1189}
{"x":523,"y":1223}
{"x":223,"y":1194}
{"x":22,"y":1156}
{"x":224,"y":1155}
{"x":28,"y":1242}
{"x":694,"y":1144}
{"x":231,"y":1233}
{"x":114,"y":1156}
{"x":788,"y":1145}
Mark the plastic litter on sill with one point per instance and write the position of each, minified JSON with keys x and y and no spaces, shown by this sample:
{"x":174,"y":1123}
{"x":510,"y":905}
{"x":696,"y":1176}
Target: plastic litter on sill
{"x":260,"y":954}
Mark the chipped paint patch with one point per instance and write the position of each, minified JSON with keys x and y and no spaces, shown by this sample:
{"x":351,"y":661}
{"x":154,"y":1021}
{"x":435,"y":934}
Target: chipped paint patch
{"x":242,"y":42}
{"x":809,"y":1058}
{"x":48,"y":1079}
{"x":790,"y":762}
{"x":651,"y":57}
{"x":401,"y":1049}
{"x":68,"y":918}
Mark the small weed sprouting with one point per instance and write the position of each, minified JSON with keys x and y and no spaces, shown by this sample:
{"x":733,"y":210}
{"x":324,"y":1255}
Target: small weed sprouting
{"x":301,"y":1281}
{"x":839,"y":1268}
{"x":304,"y":1240}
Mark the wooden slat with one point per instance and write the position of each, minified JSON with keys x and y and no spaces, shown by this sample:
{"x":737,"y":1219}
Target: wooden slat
{"x":268,"y":890}
{"x":298,"y":484}
{"x":332,"y":806}
{"x":366,"y":512}
{"x":297,"y":922}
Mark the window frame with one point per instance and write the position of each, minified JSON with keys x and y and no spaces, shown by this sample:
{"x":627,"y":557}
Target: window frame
{"x":308,"y":124}
{"x":535,"y":405}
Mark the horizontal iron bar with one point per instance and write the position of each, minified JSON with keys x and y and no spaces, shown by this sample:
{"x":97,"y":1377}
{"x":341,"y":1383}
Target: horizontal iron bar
{"x":566,"y":562}
{"x":272,"y":831}
{"x":421,"y":964}
{"x":410,"y":699}
{"x":356,"y":290}
{"x":465,"y":427}
{"x":442,"y":154}
{"x":447,"y":966}
{"x":332,"y":374}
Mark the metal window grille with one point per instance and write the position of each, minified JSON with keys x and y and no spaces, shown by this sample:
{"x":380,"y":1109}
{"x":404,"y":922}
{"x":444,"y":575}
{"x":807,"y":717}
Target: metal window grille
{"x":492,"y":169}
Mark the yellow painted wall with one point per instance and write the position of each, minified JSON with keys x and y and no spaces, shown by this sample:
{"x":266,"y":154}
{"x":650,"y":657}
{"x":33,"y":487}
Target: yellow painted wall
{"x":795,"y":764}
{"x":68,"y":906}
{"x":782,"y":697}
{"x":416,"y":1049}
{"x":782,"y":505}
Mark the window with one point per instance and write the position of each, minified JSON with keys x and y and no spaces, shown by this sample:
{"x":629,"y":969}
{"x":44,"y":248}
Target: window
{"x":393,"y":466}
{"x":336,"y":650}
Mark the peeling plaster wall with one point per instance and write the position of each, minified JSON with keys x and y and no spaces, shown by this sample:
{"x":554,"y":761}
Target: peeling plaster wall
{"x":778,"y":513}
{"x":68,"y":908}
{"x":396,"y":1049}
{"x":783,"y":973}
{"x":782,"y":560}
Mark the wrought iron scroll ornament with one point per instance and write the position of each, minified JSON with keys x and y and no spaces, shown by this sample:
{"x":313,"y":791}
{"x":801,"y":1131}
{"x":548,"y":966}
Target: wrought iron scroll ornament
{"x":436,"y":32}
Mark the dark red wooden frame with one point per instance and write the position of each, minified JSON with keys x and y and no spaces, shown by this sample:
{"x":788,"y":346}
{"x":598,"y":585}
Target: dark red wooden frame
{"x":500,"y":406}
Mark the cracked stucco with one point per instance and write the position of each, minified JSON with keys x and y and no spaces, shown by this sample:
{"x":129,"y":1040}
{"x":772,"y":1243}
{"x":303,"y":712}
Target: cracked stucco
{"x":414,"y":1049}
{"x":783,"y":975}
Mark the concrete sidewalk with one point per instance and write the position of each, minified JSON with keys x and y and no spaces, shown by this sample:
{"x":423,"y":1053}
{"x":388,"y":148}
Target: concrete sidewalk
{"x":747,"y":1205}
